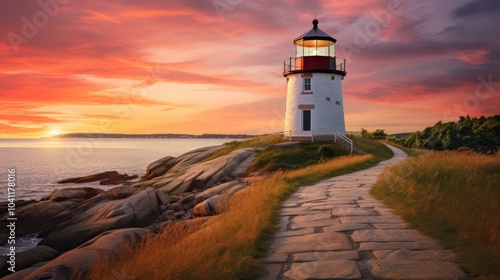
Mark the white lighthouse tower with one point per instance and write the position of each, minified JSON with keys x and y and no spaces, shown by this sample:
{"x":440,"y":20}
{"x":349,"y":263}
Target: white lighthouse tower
{"x":314,"y":106}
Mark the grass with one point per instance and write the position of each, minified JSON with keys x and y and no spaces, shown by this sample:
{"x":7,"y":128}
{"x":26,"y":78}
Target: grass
{"x":453,"y":197}
{"x":261,"y":141}
{"x":306,"y":153}
{"x":375,"y":148}
{"x":228,"y":245}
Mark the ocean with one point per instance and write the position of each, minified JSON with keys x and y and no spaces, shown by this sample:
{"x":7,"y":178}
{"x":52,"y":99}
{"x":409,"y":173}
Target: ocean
{"x":39,"y":163}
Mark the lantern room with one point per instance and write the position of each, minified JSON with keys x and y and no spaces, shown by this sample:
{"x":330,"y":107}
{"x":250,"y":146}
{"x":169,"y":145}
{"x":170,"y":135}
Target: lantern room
{"x":315,"y":50}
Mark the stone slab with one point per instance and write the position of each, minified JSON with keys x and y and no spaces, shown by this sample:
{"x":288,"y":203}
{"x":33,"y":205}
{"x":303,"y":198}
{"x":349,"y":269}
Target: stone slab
{"x":313,"y":217}
{"x":346,"y":227}
{"x":373,"y":246}
{"x":391,"y":269}
{"x":387,"y":235}
{"x":344,"y":269}
{"x":326,"y":256}
{"x":297,"y":211}
{"x":371,"y":219}
{"x":353,"y":212}
{"x":329,"y":203}
{"x":415,"y":255}
{"x":312,"y":242}
{"x":370,"y":204}
{"x":392,"y":226}
{"x":318,"y":198}
{"x":329,"y":207}
{"x":297,"y":232}
{"x":314,"y":224}
{"x":276,"y":258}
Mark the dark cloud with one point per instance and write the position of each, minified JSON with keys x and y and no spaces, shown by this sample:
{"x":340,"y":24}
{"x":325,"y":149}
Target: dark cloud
{"x":477,"y":7}
{"x":449,"y":29}
{"x":419,"y":48}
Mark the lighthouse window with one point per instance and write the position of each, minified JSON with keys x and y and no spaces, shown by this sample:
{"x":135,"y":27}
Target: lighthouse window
{"x":307,"y":84}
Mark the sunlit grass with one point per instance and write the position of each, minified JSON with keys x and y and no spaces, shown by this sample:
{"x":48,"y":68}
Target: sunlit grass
{"x":454,"y":197}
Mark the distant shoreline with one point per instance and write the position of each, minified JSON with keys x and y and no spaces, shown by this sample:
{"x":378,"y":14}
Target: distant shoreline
{"x":166,"y":135}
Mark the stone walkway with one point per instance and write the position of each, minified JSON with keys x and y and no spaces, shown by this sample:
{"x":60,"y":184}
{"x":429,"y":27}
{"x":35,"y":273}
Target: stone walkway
{"x":336,"y":230}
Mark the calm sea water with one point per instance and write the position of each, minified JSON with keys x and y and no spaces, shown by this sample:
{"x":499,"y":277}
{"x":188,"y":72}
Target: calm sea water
{"x":39,"y":163}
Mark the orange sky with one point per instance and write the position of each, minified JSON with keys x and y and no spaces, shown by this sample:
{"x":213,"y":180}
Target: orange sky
{"x":216,"y":66}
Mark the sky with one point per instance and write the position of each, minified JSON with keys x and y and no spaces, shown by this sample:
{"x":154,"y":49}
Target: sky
{"x":216,"y":66}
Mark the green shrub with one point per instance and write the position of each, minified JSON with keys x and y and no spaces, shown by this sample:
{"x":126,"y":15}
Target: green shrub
{"x":326,"y":152}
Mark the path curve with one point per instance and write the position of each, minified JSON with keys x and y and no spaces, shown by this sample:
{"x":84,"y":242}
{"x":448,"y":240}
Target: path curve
{"x":336,"y":230}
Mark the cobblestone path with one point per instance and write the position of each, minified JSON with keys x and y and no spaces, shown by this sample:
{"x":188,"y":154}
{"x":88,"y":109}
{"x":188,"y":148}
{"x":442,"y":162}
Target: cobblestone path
{"x":336,"y":230}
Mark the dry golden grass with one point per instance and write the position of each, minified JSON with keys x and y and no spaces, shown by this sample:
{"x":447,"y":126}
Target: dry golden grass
{"x":453,"y":196}
{"x":226,"y":246}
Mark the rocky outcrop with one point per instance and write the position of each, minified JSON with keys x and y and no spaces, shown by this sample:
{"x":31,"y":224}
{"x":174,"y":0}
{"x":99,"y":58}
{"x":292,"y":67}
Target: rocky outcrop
{"x":30,"y":257}
{"x":105,"y":178}
{"x":78,"y":262}
{"x":81,"y":225}
{"x":75,"y":226}
{"x":32,"y":216}
{"x":183,"y":177}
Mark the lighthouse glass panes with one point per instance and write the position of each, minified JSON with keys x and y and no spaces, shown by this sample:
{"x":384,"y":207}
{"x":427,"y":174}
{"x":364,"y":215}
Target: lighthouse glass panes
{"x":307,"y":84}
{"x":315,"y":48}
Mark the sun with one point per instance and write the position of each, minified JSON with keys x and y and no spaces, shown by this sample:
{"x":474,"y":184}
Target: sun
{"x":54,"y":132}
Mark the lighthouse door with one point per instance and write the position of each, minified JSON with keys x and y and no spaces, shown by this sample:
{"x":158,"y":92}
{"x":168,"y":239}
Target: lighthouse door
{"x":306,"y":120}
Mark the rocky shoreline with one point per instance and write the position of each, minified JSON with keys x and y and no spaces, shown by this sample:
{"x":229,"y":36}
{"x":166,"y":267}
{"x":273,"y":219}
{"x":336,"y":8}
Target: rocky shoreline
{"x":79,"y":226}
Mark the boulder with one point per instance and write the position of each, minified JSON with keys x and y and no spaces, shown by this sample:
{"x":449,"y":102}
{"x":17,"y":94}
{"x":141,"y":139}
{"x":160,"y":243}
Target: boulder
{"x":122,"y":191}
{"x":32,"y":217}
{"x":19,"y":203}
{"x":163,"y":198}
{"x":77,"y":262}
{"x":214,"y":204}
{"x":30,"y":257}
{"x":158,"y":168}
{"x":207,"y":174}
{"x":118,"y":180}
{"x":208,"y":207}
{"x":195,"y":199}
{"x":77,"y":225}
{"x":106,"y":178}
{"x":174,"y":166}
{"x":72,"y":193}
{"x":208,"y":193}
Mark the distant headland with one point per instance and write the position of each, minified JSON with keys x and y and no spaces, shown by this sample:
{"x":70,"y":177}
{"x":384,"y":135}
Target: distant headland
{"x":166,"y":135}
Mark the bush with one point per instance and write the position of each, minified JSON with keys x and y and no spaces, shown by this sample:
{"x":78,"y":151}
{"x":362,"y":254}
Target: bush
{"x":326,"y":152}
{"x":479,"y":134}
{"x":375,"y":135}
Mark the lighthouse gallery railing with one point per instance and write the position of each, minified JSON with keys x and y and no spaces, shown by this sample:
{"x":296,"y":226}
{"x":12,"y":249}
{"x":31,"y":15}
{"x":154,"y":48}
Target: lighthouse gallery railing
{"x":314,"y":63}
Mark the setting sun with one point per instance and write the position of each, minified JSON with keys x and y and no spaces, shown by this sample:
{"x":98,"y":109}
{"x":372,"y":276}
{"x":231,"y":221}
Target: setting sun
{"x":54,"y":132}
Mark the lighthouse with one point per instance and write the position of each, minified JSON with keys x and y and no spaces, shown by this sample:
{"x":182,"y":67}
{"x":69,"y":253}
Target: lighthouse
{"x":314,"y":105}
